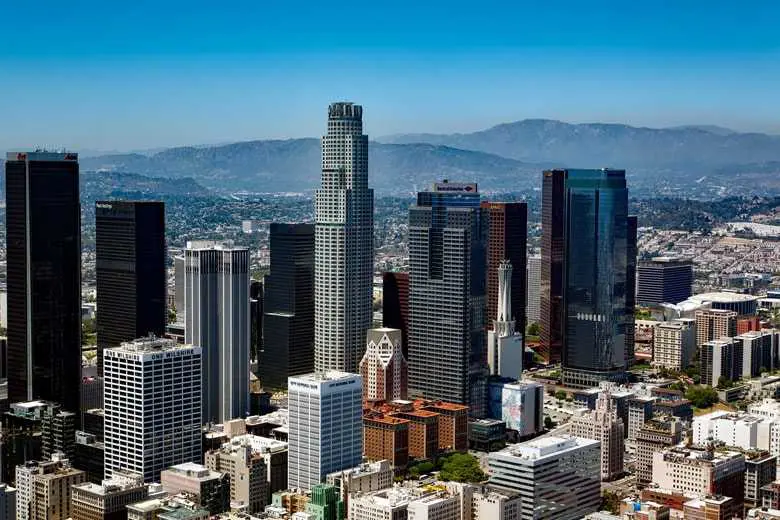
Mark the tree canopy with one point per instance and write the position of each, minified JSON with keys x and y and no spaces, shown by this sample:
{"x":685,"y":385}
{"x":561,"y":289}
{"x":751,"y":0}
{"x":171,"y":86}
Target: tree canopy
{"x":701,"y":396}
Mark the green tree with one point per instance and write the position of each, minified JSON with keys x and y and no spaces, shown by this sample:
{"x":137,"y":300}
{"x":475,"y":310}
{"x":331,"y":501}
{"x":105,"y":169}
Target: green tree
{"x":461,"y":467}
{"x":422,"y":468}
{"x":532,"y":329}
{"x":549,"y":423}
{"x":724,"y":383}
{"x":701,"y":396}
{"x":610,"y":501}
{"x":560,"y":394}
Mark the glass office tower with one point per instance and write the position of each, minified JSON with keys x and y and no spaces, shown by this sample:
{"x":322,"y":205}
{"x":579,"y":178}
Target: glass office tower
{"x":595,"y":277}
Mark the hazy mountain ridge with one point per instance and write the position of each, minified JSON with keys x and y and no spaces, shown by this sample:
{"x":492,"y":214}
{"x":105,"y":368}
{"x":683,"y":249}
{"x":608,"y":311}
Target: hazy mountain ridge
{"x":294,"y":165}
{"x":610,"y":144}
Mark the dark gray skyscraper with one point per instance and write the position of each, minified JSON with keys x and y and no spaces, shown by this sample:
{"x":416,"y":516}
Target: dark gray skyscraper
{"x":596,"y":281}
{"x":131,"y":274}
{"x":447,"y":357}
{"x":288,"y":321}
{"x":43,"y":231}
{"x":344,"y":235}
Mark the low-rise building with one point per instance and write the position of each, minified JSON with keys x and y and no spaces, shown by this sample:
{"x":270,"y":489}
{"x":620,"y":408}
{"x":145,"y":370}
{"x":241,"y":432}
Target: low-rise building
{"x":760,"y":471}
{"x":247,"y":471}
{"x":109,"y":500}
{"x":701,"y":472}
{"x":212,"y":488}
{"x":604,"y":426}
{"x":367,"y":477}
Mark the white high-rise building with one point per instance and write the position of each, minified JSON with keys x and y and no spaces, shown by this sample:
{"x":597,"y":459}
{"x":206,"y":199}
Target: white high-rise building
{"x":152,"y":406}
{"x":326,"y":426}
{"x":505,"y":345}
{"x":534,"y":287}
{"x":344,"y":243}
{"x":216,"y":301}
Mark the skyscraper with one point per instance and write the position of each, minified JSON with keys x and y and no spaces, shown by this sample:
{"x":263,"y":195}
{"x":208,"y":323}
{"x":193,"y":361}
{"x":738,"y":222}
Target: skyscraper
{"x":632,"y":227}
{"x":157,"y":382}
{"x":533,"y":312}
{"x":551,"y":297}
{"x":595,"y":277}
{"x":326,"y":426}
{"x":383,"y":367}
{"x":447,"y":358}
{"x":344,"y":243}
{"x":43,"y":231}
{"x":289,"y":306}
{"x":256,"y":311}
{"x":216,"y":301}
{"x":505,"y":344}
{"x":395,"y":305}
{"x":507,"y":235}
{"x":131,"y":273}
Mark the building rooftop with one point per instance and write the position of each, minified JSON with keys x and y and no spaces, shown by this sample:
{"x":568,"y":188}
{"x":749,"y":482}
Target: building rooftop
{"x":330,"y":375}
{"x":722,"y":297}
{"x":547,"y":446}
{"x":150,"y":344}
{"x":194,"y":470}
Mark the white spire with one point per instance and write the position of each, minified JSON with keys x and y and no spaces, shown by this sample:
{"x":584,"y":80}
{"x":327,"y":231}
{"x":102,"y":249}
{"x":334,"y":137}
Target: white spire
{"x":504,"y":325}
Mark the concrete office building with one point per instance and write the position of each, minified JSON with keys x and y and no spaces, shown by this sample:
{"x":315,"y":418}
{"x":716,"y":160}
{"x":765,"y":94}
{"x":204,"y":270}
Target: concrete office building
{"x":674,"y":344}
{"x":367,"y":477}
{"x":344,"y":243}
{"x":178,"y":287}
{"x":701,"y":473}
{"x":655,"y":434}
{"x":447,"y":358}
{"x":109,"y":500}
{"x":288,"y":307}
{"x":640,"y":410}
{"x":759,"y":351}
{"x":58,"y":433}
{"x":326,"y":433}
{"x":157,"y":382}
{"x":43,"y":234}
{"x":533,"y":311}
{"x":216,"y":299}
{"x":435,"y":506}
{"x":664,"y":280}
{"x":130,"y":270}
{"x":505,"y":343}
{"x":44,"y":489}
{"x":541,"y":472}
{"x":760,"y":471}
{"x":506,"y":242}
{"x":720,"y":358}
{"x":212,"y":488}
{"x":599,"y":246}
{"x":713,"y":324}
{"x":603,"y":425}
{"x":247,"y":470}
{"x":383,"y":367}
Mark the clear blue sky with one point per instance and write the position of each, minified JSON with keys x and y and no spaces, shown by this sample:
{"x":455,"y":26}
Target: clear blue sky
{"x":120,"y":75}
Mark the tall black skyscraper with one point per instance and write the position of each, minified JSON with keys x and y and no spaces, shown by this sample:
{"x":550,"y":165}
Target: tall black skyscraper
{"x":255,"y":319}
{"x":288,"y":306}
{"x":447,"y":349}
{"x":551,"y":279}
{"x":43,"y":231}
{"x":131,"y":274}
{"x":664,"y":280}
{"x":599,"y":238}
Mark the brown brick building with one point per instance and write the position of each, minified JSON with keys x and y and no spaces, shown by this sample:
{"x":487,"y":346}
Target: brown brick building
{"x":386,"y":438}
{"x":453,"y":425}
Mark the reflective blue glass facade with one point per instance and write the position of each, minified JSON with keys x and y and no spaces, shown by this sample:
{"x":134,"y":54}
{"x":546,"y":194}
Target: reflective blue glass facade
{"x":596,"y":281}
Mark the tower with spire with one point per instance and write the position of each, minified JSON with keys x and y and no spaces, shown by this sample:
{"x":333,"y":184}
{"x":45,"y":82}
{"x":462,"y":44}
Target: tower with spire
{"x":505,"y":345}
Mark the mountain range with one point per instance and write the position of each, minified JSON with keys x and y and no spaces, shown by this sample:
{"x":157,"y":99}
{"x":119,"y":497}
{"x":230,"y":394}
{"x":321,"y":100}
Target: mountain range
{"x":504,"y":157}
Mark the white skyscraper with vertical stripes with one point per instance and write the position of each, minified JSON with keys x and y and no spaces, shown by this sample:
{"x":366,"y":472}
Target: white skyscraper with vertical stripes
{"x":344,"y":243}
{"x":216,"y":302}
